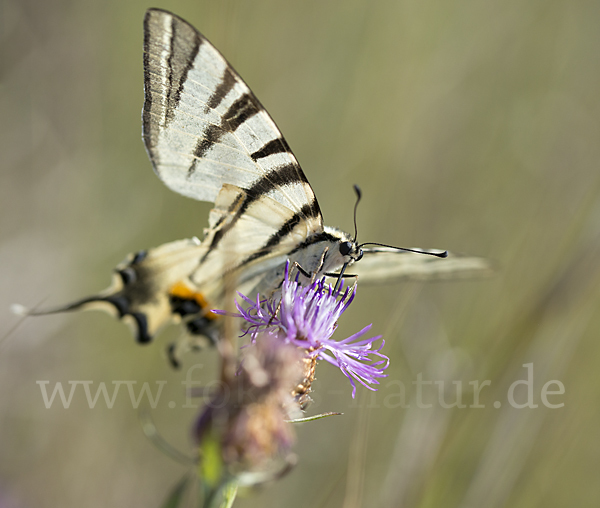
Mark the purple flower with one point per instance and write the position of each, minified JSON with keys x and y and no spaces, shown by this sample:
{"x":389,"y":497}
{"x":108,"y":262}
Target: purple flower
{"x":307,"y":316}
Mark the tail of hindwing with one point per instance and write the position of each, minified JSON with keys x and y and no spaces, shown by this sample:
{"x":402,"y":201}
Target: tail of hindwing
{"x":150,"y":290}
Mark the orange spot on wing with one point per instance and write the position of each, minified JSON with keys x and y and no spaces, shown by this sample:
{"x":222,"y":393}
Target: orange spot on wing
{"x":182,"y":290}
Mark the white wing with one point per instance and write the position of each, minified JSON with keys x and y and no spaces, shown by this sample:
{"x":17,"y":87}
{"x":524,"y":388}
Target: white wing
{"x":382,"y":264}
{"x":252,"y":243}
{"x":204,"y":128}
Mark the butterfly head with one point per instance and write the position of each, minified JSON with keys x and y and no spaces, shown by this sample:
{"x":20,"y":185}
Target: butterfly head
{"x":344,"y":251}
{"x":350,"y":251}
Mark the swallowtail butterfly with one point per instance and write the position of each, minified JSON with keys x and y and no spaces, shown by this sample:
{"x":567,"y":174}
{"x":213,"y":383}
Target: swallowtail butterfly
{"x":210,"y":139}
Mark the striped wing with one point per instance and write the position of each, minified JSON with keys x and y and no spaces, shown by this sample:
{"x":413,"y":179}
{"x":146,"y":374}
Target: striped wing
{"x":204,"y":128}
{"x":252,"y":241}
{"x":381,"y":265}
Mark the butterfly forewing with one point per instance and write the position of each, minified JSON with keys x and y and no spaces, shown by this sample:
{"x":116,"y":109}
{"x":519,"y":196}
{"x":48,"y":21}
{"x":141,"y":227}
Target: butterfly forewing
{"x":204,"y":128}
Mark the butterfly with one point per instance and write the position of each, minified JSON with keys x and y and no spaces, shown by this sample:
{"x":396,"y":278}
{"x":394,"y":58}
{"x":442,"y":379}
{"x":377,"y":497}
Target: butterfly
{"x":209,"y":138}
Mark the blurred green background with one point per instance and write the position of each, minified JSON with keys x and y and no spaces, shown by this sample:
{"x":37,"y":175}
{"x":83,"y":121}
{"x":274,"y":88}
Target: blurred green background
{"x":470,"y":125}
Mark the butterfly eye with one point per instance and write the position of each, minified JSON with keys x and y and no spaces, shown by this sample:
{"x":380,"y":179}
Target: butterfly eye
{"x":345,"y":248}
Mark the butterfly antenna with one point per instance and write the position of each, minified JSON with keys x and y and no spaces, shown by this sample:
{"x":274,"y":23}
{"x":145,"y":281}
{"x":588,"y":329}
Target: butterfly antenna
{"x":339,"y":280}
{"x":443,"y":254}
{"x":358,"y":196}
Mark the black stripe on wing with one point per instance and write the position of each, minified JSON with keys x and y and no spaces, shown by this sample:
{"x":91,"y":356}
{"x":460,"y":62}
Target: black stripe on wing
{"x":309,"y":211}
{"x":227,"y":83}
{"x":184,"y":45}
{"x":242,"y":109}
{"x":245,"y":107}
{"x":279,"y":177}
{"x":211,"y":136}
{"x":323,"y":236}
{"x":278,"y":145}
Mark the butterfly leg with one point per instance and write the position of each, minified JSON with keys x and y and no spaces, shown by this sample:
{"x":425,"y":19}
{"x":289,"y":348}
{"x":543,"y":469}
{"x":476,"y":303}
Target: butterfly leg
{"x":321,"y":263}
{"x":312,"y":276}
{"x":298,"y":267}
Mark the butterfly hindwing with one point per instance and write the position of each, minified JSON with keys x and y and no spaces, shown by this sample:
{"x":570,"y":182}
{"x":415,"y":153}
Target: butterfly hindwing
{"x":147,"y":288}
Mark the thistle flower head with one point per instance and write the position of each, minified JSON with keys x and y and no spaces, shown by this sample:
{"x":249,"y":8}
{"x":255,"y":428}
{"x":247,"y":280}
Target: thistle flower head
{"x":248,"y":415}
{"x":307,"y":317}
